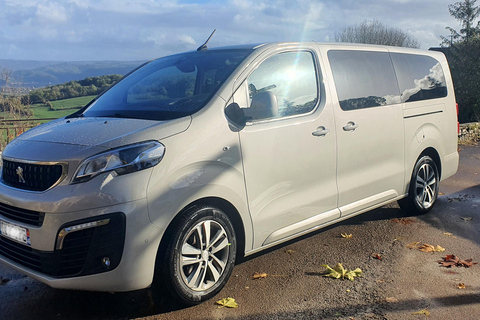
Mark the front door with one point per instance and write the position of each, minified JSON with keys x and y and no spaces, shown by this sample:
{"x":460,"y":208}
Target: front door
{"x":289,"y":149}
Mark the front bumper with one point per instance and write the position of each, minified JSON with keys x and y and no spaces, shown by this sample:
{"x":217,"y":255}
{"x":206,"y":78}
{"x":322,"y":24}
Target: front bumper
{"x":129,"y":241}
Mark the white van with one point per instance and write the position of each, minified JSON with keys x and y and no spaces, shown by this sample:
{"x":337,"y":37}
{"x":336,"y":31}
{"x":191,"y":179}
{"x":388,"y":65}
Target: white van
{"x":196,"y":159}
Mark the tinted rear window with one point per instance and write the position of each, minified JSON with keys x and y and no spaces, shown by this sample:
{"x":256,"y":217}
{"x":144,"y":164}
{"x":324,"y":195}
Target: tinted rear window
{"x":419,"y":77}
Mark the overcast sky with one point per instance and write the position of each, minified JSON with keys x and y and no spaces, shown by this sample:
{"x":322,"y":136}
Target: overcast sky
{"x":145,"y":29}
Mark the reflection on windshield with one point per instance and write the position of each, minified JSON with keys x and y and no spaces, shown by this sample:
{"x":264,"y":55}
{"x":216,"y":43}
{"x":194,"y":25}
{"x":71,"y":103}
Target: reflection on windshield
{"x":169,"y":87}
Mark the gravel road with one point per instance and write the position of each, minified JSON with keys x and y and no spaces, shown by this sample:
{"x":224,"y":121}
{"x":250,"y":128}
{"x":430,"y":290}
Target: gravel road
{"x":403,"y":282}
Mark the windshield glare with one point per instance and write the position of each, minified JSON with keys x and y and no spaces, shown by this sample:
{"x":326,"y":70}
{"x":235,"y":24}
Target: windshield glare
{"x":169,"y":87}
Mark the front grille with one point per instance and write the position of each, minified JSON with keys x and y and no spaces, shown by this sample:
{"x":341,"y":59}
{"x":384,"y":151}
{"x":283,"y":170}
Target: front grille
{"x":81,"y":254}
{"x":22,"y":215}
{"x":32,"y":177}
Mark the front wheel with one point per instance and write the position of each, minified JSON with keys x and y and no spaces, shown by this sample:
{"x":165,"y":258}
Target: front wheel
{"x":423,"y":190}
{"x":201,"y":254}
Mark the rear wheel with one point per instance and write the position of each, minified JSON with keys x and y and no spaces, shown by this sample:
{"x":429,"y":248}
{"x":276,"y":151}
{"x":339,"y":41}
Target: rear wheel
{"x":201,"y":254}
{"x":423,"y":190}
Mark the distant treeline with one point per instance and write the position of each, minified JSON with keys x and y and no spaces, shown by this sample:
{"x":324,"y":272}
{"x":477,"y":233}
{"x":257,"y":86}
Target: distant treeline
{"x":87,"y":87}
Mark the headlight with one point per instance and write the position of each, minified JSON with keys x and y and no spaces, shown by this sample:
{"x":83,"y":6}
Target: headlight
{"x":123,"y":160}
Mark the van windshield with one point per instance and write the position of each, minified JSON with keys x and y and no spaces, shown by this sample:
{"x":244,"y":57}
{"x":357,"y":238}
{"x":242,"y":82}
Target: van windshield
{"x":170,"y":87}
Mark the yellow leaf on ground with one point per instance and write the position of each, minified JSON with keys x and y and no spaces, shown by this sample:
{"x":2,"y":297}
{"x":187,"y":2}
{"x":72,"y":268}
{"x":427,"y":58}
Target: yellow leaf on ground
{"x":413,"y":245}
{"x":290,"y":251}
{"x":461,"y":286}
{"x":258,"y":275}
{"x":426,"y":248}
{"x":339,"y":271}
{"x":227,"y":302}
{"x":346,"y":235}
{"x":447,"y":234}
{"x":424,"y":311}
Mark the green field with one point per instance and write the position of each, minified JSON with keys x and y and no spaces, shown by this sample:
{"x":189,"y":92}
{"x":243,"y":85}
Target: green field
{"x":61,"y":108}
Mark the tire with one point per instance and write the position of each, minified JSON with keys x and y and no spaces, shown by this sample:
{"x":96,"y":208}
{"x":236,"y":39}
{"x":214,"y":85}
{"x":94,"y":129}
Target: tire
{"x":200,"y":256}
{"x":423,"y":189}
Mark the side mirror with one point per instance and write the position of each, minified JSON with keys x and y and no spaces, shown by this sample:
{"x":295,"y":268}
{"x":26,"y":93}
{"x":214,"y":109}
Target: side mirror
{"x":264,"y":105}
{"x":235,"y":114}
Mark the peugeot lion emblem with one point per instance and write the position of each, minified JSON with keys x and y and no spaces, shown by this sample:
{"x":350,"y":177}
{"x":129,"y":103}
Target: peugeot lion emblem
{"x":20,"y":175}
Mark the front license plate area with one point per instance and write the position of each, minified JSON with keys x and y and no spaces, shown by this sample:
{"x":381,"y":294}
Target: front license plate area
{"x":15,"y":233}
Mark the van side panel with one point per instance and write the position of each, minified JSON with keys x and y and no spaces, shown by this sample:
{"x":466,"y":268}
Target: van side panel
{"x":431,"y":121}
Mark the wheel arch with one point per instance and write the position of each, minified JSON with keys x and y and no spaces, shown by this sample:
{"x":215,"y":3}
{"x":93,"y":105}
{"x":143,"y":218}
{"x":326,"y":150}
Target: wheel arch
{"x":222,"y":204}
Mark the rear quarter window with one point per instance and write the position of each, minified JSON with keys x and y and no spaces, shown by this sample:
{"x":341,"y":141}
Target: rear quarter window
{"x":419,"y":77}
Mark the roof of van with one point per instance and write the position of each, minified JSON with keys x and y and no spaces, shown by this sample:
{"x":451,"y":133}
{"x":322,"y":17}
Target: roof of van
{"x":254,"y":46}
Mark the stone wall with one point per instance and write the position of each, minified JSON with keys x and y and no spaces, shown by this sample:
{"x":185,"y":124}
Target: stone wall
{"x":469,"y":132}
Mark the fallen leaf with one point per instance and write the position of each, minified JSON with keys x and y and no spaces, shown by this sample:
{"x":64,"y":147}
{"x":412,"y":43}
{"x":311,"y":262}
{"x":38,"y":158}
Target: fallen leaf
{"x":413,"y":245}
{"x":467,"y":263}
{"x":258,"y":275}
{"x":461,"y":286}
{"x":447,"y":234}
{"x":451,"y":260}
{"x":467,"y":218}
{"x":227,"y":302}
{"x":346,"y":236}
{"x":426,"y":248}
{"x":339,"y":272}
{"x":391,"y":300}
{"x":289,"y":251}
{"x":352,"y":274}
{"x":424,"y":311}
{"x":376,"y":256}
{"x":441,"y":194}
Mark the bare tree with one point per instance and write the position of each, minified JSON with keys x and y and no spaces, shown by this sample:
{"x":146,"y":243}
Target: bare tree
{"x":375,"y":32}
{"x":11,"y":97}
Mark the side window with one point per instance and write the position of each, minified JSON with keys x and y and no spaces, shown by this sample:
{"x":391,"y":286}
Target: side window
{"x":363,"y":79}
{"x":285,"y":84}
{"x":419,"y":77}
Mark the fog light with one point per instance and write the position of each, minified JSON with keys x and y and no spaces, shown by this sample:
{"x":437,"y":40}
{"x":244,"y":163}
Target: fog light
{"x":106,"y":262}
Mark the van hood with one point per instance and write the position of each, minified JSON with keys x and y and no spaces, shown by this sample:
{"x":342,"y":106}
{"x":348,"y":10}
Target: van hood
{"x":104,"y":132}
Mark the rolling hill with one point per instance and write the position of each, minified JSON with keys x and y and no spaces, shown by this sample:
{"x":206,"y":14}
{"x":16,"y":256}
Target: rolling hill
{"x":36,"y":74}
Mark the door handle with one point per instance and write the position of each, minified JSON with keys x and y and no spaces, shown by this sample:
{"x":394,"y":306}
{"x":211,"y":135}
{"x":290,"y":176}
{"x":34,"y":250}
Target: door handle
{"x":321,"y":132}
{"x":351,"y":126}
